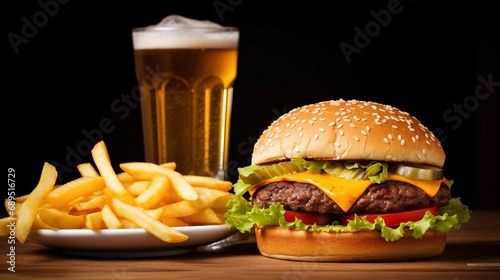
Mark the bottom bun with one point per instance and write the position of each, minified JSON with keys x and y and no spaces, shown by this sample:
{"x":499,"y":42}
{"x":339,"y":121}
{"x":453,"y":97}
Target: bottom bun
{"x":361,"y":246}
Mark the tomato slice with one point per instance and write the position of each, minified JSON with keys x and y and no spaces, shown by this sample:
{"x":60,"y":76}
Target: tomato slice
{"x":392,"y":219}
{"x":309,"y":218}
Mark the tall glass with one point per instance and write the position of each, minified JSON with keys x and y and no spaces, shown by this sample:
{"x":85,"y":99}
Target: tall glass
{"x":186,"y":70}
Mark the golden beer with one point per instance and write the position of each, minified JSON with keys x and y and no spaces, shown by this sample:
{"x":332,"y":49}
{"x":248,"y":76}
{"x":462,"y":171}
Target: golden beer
{"x":186,"y":96}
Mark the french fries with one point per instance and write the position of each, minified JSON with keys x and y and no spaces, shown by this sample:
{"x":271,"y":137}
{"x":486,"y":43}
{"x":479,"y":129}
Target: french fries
{"x":109,"y":218}
{"x":154,"y":197}
{"x":208,"y":182}
{"x":30,"y":207}
{"x":154,"y":193}
{"x":146,"y":171}
{"x":140,"y":218}
{"x":72,"y":190}
{"x":87,"y":170}
{"x":89,"y":205}
{"x":113,"y":184}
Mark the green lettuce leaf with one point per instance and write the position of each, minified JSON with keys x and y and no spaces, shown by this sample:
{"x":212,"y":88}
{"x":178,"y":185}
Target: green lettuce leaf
{"x":240,"y":187}
{"x":244,"y":217}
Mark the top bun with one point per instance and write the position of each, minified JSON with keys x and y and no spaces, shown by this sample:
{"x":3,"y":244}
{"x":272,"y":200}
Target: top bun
{"x":348,"y":130}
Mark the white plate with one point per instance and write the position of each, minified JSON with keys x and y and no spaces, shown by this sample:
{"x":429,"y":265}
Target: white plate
{"x":126,"y":243}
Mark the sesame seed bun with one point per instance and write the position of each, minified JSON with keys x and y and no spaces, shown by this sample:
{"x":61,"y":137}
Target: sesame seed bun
{"x":348,"y":130}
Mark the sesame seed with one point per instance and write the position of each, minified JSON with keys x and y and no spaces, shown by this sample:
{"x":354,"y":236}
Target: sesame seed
{"x":363,"y":132}
{"x":394,"y":126}
{"x":331,"y":124}
{"x":356,"y":138}
{"x":321,"y":129}
{"x":287,"y":134}
{"x":367,"y":128}
{"x":340,"y":125}
{"x":316,"y":136}
{"x":300,"y":134}
{"x":386,"y":141}
{"x":352,"y":125}
{"x":402,"y":142}
{"x":427,"y":142}
{"x":336,"y":144}
{"x":390,"y":136}
{"x":341,"y":132}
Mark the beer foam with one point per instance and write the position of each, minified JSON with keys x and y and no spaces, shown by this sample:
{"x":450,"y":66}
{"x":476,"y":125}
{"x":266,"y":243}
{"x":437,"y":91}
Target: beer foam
{"x":180,"y":32}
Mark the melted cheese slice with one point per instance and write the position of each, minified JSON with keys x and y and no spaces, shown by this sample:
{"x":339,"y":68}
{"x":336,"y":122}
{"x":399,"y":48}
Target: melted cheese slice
{"x":345,"y":192}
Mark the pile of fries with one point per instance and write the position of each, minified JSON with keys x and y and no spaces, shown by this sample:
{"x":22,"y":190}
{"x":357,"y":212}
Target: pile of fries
{"x":145,"y":195}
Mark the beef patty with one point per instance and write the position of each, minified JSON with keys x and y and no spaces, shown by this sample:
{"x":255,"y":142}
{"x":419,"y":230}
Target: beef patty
{"x":387,"y":197}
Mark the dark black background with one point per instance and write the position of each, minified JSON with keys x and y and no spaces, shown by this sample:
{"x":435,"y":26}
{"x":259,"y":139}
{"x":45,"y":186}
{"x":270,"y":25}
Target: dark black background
{"x":62,"y":81}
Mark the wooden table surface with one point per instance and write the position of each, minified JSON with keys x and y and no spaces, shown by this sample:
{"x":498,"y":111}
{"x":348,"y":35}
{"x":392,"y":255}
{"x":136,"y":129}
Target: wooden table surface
{"x":473,"y":252}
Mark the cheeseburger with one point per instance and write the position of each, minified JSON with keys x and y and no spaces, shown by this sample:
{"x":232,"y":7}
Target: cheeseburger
{"x":346,"y":181}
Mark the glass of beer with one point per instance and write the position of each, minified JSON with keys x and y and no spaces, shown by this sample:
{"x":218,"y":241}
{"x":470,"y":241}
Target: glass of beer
{"x":186,"y":69}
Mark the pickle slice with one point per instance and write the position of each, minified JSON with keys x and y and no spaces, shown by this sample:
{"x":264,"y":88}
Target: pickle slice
{"x":270,"y":171}
{"x":340,"y":171}
{"x":417,"y":171}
